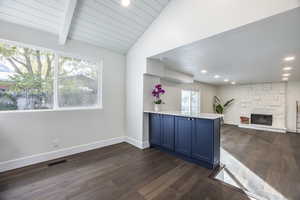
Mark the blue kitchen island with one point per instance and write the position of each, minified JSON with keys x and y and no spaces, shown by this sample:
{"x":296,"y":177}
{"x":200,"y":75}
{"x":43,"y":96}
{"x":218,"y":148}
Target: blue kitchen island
{"x":194,"y":137}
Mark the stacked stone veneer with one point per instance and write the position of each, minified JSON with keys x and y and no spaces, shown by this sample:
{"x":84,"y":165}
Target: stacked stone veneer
{"x":269,"y":98}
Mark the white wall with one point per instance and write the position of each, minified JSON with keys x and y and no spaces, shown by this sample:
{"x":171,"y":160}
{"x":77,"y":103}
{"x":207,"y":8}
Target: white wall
{"x":268,"y":98}
{"x":293,"y":95}
{"x":172,"y":98}
{"x":180,"y":23}
{"x":30,"y":133}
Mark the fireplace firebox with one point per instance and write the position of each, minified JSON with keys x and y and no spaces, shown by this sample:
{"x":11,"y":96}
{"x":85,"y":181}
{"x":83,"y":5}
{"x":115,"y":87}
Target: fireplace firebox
{"x":262,"y":119}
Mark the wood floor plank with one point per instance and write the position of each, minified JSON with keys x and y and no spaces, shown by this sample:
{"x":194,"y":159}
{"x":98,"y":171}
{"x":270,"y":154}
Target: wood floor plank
{"x":121,"y":172}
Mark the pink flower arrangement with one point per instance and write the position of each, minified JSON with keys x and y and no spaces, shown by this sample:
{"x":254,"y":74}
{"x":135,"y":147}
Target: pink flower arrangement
{"x":157,"y":92}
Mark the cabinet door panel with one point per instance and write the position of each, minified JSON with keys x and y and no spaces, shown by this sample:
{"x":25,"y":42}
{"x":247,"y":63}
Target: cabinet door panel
{"x":167,"y":132}
{"x":202,"y":140}
{"x":155,"y":129}
{"x":183,"y":131}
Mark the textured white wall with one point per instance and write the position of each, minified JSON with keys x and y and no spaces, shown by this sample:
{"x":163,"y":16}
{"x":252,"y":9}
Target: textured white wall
{"x":181,"y":23}
{"x":269,"y":98}
{"x":30,"y":133}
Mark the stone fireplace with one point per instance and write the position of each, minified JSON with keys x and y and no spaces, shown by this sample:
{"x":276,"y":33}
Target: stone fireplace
{"x":257,"y":106}
{"x":261,"y":119}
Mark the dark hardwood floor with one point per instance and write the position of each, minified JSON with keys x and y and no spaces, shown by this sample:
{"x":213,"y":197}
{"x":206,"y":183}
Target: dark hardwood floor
{"x":116,"y":172}
{"x":265,"y":163}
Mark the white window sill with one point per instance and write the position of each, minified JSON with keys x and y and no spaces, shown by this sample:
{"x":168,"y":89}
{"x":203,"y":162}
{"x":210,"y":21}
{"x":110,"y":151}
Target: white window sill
{"x":53,"y":110}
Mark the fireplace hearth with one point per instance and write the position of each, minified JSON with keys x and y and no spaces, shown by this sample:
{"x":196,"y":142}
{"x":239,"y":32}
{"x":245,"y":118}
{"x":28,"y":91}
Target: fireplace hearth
{"x":262,"y":119}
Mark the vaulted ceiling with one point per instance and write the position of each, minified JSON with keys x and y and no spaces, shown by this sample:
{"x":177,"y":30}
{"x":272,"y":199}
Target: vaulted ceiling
{"x":104,"y":23}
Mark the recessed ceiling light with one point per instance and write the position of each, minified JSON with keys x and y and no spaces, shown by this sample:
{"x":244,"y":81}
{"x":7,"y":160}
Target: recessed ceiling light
{"x":287,"y":68}
{"x":286,"y":75}
{"x":216,"y":76}
{"x":285,"y":79}
{"x":233,"y":83}
{"x":290,"y":58}
{"x":125,"y":3}
{"x":226,"y":80}
{"x":203,"y":71}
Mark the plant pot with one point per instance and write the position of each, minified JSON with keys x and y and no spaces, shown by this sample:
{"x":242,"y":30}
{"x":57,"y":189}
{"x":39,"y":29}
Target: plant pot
{"x":157,"y":107}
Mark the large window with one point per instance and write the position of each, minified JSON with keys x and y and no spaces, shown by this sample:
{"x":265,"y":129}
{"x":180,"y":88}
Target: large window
{"x":190,"y":101}
{"x":35,"y":79}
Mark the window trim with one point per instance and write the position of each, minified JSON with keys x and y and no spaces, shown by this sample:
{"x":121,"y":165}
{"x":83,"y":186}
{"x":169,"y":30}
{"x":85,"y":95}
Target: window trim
{"x":97,"y":61}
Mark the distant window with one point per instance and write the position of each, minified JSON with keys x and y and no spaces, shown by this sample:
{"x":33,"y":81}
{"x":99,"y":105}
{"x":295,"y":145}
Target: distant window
{"x":35,"y":79}
{"x":190,"y":101}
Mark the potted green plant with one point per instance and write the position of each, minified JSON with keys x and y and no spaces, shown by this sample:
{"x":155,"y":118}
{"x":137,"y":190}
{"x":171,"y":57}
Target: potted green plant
{"x":220,"y":107}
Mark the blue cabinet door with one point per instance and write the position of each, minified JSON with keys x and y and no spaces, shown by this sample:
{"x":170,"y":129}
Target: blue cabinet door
{"x":167,"y":132}
{"x":155,"y":129}
{"x":183,"y":132}
{"x":202,"y":140}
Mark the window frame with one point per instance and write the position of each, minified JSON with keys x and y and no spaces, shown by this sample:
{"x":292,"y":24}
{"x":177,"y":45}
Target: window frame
{"x":57,"y":54}
{"x":190,"y":99}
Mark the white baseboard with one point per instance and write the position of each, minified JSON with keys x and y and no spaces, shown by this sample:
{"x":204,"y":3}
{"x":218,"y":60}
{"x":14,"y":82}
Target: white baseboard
{"x":38,"y":158}
{"x":230,"y":123}
{"x":137,"y":143}
{"x":293,"y":131}
{"x":263,"y":128}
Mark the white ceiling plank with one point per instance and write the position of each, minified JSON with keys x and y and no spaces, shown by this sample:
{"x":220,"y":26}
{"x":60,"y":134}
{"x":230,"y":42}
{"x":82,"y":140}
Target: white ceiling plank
{"x":105,"y":23}
{"x":33,"y":7}
{"x":102,"y":40}
{"x":103,"y":36}
{"x":132,"y":9}
{"x":162,"y":2}
{"x":100,"y":10}
{"x":67,"y":20}
{"x":105,"y":29}
{"x":55,"y":4}
{"x":153,"y":5}
{"x":103,"y":44}
{"x":12,"y":19}
{"x":44,"y":16}
{"x":142,"y":7}
{"x":126,"y":13}
{"x":21,"y":11}
{"x":96,"y":30}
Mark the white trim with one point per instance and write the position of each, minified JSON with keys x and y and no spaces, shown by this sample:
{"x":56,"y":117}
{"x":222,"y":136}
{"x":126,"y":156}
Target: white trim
{"x":263,"y":128}
{"x":293,"y":131}
{"x":66,"y":21}
{"x":137,"y":143}
{"x":146,"y":144}
{"x":55,"y":82}
{"x":38,"y":158}
{"x":52,"y":110}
